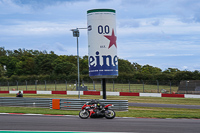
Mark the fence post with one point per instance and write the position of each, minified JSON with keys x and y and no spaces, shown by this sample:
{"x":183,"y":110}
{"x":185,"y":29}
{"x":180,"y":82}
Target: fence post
{"x":187,"y":86}
{"x":83,"y":83}
{"x":17,"y":84}
{"x":157,"y":85}
{"x":170,"y":83}
{"x":36,"y":85}
{"x":66,"y":84}
{"x":94,"y":84}
{"x":0,"y":85}
{"x":55,"y":84}
{"x":45,"y":82}
{"x":8,"y":85}
{"x":113,"y":85}
{"x":129,"y":85}
{"x":101,"y":85}
{"x":143,"y":85}
{"x":76,"y":86}
{"x":26,"y":85}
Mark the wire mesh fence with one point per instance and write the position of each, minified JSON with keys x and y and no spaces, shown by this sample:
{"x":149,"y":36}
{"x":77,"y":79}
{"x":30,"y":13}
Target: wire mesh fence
{"x":93,"y":85}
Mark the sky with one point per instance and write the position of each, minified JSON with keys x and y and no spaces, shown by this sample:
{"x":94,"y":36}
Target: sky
{"x":160,"y":33}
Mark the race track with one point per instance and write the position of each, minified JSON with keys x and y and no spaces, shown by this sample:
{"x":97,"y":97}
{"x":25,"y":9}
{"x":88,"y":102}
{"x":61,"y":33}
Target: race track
{"x":74,"y":123}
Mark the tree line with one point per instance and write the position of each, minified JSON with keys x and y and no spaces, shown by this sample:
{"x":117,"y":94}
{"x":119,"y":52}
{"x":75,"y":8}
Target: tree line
{"x":25,"y":64}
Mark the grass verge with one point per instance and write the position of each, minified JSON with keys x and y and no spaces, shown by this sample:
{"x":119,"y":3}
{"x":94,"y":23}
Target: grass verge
{"x":144,"y":112}
{"x":133,"y":99}
{"x":147,"y":112}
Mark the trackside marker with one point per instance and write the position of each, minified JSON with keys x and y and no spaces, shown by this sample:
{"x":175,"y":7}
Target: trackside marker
{"x":55,"y":103}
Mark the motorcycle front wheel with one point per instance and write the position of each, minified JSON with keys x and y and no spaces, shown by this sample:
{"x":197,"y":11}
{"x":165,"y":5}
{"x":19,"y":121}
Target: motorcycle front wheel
{"x":84,"y":114}
{"x":109,"y":114}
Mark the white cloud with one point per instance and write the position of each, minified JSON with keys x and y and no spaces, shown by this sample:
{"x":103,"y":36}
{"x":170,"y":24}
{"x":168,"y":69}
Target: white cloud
{"x":60,"y":47}
{"x":148,"y":31}
{"x":38,"y":28}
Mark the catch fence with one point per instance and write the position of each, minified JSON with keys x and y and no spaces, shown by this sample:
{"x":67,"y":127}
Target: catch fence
{"x":144,"y":86}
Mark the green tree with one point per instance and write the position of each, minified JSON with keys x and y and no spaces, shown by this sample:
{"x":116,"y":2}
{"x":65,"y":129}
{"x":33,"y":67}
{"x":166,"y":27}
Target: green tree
{"x":43,"y":63}
{"x":62,"y":66}
{"x":25,"y":67}
{"x":124,"y":66}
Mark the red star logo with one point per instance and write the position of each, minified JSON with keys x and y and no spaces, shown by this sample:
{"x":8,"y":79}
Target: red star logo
{"x":112,"y":39}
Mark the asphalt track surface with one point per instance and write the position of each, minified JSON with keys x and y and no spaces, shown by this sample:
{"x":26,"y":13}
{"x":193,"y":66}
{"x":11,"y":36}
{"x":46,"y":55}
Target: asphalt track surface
{"x":164,"y":105}
{"x":74,"y":123}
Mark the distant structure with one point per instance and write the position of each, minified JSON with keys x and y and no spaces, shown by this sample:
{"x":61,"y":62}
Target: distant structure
{"x":102,"y":46}
{"x":189,"y":86}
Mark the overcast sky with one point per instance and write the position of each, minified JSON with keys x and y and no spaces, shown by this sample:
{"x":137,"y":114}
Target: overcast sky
{"x":161,"y":33}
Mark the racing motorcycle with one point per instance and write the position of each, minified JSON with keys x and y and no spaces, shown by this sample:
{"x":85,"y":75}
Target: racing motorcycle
{"x":95,"y":109}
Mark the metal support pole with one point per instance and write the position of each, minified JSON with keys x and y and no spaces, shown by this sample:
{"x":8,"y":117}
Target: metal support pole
{"x":76,"y":86}
{"x":66,"y":84}
{"x":187,"y":86}
{"x":143,"y":85}
{"x":26,"y":84}
{"x":45,"y":84}
{"x":17,"y":84}
{"x":76,"y":34}
{"x":55,"y":85}
{"x":36,"y":85}
{"x":113,"y":86}
{"x":104,"y":88}
{"x":8,"y":85}
{"x":101,"y":84}
{"x":170,"y":83}
{"x":157,"y":85}
{"x":94,"y":85}
{"x":78,"y":69}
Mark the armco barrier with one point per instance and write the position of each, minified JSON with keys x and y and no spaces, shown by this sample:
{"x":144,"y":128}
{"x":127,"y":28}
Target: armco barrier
{"x":107,"y":93}
{"x":76,"y":104}
{"x":25,"y":102}
{"x":63,"y":104}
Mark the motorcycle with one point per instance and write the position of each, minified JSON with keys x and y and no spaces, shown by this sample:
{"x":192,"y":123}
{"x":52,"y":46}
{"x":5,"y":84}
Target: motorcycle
{"x":96,"y":110}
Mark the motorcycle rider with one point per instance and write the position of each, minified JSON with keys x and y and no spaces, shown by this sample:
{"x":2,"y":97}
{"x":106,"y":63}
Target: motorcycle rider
{"x":96,"y":103}
{"x":19,"y":94}
{"x":99,"y":106}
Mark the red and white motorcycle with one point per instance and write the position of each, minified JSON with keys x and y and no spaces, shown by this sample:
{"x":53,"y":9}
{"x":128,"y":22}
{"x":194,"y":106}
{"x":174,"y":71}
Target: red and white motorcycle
{"x":95,"y":109}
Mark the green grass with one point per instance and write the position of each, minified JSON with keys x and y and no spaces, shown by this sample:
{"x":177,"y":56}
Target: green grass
{"x":146,"y":112}
{"x":134,"y":99}
{"x":109,"y":86}
{"x":157,"y":112}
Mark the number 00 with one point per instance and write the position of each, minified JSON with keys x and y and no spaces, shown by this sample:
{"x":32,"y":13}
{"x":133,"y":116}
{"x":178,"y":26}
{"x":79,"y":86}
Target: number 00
{"x":104,"y":30}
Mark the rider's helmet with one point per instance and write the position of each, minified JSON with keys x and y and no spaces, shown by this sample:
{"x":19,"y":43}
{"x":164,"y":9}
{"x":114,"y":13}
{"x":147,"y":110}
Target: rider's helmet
{"x":93,"y":101}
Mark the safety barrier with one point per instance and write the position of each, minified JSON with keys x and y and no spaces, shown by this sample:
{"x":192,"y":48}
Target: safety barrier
{"x":76,"y":104}
{"x":25,"y":102}
{"x":63,"y":104}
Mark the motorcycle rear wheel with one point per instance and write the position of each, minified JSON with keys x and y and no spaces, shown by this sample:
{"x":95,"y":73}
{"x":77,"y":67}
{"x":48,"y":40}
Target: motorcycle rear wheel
{"x":84,"y":114}
{"x":109,"y":114}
